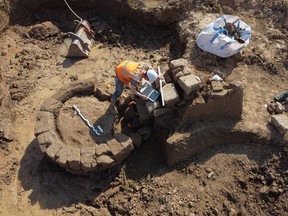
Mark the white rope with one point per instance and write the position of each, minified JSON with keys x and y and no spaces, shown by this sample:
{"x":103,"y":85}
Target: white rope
{"x":73,"y":12}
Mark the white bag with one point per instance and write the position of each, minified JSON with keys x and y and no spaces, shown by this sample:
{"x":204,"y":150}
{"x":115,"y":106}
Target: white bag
{"x":212,"y":39}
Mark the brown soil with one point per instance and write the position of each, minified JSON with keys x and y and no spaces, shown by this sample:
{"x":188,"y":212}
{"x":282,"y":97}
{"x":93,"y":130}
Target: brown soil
{"x":248,"y":178}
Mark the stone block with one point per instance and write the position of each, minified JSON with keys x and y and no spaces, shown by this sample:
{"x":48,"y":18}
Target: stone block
{"x":178,"y":75}
{"x":125,"y":141}
{"x":189,"y":83}
{"x":170,"y":93}
{"x":46,"y":139}
{"x":228,"y":107}
{"x":73,"y":159}
{"x":53,"y":149}
{"x":187,"y":70}
{"x":280,"y":122}
{"x":51,"y":105}
{"x":102,"y":149}
{"x":62,"y":156}
{"x":178,"y":63}
{"x":44,"y":122}
{"x":88,"y":160}
{"x":83,"y":87}
{"x":105,"y":161}
{"x":118,"y":151}
{"x":177,"y":70}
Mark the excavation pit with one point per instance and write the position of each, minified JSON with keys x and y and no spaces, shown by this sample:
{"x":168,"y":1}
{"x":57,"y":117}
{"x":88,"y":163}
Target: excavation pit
{"x":246,"y":178}
{"x":67,"y":135}
{"x":76,"y":131}
{"x":67,"y":140}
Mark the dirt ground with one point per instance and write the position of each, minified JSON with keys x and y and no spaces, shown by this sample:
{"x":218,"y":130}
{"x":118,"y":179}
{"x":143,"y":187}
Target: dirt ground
{"x":236,"y":179}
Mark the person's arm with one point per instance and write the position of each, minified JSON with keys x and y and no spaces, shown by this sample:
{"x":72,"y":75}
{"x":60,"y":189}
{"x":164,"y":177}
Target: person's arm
{"x":134,"y":91}
{"x":160,"y":76}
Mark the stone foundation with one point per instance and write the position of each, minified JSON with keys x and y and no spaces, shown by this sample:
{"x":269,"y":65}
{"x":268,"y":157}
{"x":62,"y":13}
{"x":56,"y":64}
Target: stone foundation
{"x":67,"y":141}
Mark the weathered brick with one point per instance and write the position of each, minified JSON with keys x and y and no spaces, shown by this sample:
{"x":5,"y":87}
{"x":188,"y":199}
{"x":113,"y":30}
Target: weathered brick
{"x":118,"y":151}
{"x":88,"y":159}
{"x":46,"y":139}
{"x":62,"y":155}
{"x":102,"y":149}
{"x":177,"y":76}
{"x":51,"y":105}
{"x":178,"y":63}
{"x":189,"y":83}
{"x":53,"y":149}
{"x":104,"y":162}
{"x":170,"y":93}
{"x":69,"y":90}
{"x":177,"y":70}
{"x":73,"y":160}
{"x":280,"y":122}
{"x":187,"y":70}
{"x":44,"y":122}
{"x":125,"y":141}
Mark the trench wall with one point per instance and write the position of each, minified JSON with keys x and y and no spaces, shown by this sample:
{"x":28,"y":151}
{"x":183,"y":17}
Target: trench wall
{"x":206,"y":125}
{"x":227,"y":107}
{"x":163,"y":14}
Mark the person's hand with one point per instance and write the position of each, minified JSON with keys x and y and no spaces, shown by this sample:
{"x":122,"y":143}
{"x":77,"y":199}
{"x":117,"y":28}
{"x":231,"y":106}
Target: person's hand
{"x":144,"y":97}
{"x":160,"y":76}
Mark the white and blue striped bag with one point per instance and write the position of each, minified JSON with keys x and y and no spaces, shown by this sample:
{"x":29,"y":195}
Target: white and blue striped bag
{"x":212,"y":39}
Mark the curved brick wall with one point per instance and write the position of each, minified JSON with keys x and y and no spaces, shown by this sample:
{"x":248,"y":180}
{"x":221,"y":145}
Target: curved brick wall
{"x":80,"y":159}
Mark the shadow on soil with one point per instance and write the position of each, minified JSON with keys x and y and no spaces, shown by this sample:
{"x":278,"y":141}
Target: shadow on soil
{"x":52,"y":187}
{"x":69,"y":62}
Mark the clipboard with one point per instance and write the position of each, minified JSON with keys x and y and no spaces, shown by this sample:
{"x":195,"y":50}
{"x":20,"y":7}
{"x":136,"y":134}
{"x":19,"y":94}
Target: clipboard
{"x":149,"y":92}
